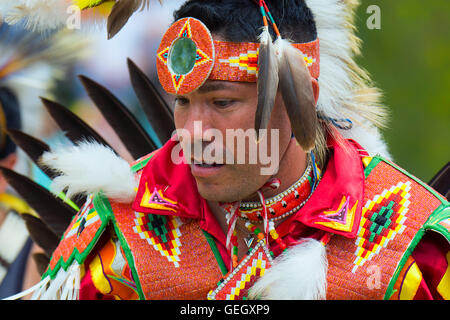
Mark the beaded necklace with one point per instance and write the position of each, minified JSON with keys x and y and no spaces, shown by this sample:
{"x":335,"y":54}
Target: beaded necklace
{"x":270,"y":210}
{"x":283,"y":204}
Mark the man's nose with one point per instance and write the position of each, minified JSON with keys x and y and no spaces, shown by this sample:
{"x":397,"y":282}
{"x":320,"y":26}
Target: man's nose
{"x":197,"y":122}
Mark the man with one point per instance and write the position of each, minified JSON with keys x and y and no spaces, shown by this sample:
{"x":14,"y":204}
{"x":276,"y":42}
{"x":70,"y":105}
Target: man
{"x":191,"y":221}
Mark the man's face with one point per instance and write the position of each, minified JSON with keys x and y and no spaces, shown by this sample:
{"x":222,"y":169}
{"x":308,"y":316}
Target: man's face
{"x":210,"y":118}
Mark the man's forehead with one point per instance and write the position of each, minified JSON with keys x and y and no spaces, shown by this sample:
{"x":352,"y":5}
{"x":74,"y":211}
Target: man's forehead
{"x":216,"y":85}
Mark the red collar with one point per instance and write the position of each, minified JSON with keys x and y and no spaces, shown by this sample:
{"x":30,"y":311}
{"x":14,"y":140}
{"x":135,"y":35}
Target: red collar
{"x":335,"y":206}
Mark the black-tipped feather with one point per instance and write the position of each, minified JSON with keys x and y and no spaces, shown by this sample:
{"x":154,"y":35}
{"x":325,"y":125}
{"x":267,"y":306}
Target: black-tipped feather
{"x":41,"y":234}
{"x":33,"y":147}
{"x":121,"y":12}
{"x":298,"y":96}
{"x":267,"y":81}
{"x":130,"y":132}
{"x":53,"y":211}
{"x":158,"y":112}
{"x":75,"y":128}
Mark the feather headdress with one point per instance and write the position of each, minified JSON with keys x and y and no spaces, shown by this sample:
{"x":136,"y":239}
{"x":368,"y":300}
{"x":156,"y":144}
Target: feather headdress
{"x":44,"y":15}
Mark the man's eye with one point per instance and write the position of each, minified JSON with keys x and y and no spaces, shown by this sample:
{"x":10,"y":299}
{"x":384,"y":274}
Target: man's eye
{"x":223,"y":103}
{"x":181,"y":101}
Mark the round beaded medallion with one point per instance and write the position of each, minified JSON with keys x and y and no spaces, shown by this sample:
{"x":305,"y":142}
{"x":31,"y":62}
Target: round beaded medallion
{"x":185,"y":57}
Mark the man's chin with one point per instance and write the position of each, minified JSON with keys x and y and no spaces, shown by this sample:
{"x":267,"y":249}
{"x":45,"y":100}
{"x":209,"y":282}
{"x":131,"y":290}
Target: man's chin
{"x":217,"y":193}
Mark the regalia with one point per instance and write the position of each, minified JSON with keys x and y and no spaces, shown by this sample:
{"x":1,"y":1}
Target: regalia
{"x":355,"y":226}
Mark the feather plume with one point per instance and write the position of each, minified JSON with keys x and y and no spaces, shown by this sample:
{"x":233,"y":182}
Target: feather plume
{"x":125,"y":124}
{"x":36,"y":15}
{"x":298,"y":274}
{"x":89,"y":168}
{"x":346,"y":90}
{"x":158,"y":112}
{"x":49,"y":15}
{"x":298,"y":96}
{"x":267,"y":80}
{"x":55,"y":213}
{"x":121,"y":12}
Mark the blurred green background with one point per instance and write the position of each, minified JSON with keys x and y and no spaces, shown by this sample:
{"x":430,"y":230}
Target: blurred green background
{"x":409,"y":60}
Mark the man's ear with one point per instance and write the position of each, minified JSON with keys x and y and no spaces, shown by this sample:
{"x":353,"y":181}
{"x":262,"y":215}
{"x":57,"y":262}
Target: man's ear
{"x":315,"y":86}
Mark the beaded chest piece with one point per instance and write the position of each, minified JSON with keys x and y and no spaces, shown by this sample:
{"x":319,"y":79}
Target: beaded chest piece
{"x":281,"y":205}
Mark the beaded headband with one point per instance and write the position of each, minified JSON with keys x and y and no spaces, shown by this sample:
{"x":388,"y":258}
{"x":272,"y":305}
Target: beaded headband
{"x":188,"y":56}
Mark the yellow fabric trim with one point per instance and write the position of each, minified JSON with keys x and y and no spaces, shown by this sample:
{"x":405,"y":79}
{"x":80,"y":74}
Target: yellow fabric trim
{"x":444,"y":286}
{"x":411,"y":283}
{"x":98,"y":277}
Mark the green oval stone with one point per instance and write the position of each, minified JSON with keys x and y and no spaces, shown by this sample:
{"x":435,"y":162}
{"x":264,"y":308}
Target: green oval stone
{"x":182,"y":56}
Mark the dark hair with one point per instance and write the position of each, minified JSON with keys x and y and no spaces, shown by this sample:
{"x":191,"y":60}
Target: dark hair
{"x":241,"y":20}
{"x":10,"y":110}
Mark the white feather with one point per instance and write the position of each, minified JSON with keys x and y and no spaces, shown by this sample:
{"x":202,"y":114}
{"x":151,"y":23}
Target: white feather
{"x":36,"y":15}
{"x":298,"y":274}
{"x":89,"y":168}
{"x":343,"y":85}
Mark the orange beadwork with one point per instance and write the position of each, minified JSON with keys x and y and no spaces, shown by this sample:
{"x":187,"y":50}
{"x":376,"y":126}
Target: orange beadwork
{"x":195,"y":271}
{"x":350,"y":275}
{"x":238,"y":61}
{"x":180,"y":83}
{"x":78,"y":237}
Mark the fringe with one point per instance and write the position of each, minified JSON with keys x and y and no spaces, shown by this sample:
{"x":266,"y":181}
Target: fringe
{"x":65,"y":286}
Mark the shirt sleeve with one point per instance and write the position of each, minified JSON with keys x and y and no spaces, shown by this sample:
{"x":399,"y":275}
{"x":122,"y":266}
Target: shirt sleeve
{"x":426,"y":273}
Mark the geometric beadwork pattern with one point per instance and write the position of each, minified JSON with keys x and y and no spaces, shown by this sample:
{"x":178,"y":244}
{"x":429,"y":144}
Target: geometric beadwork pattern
{"x":383,"y":218}
{"x":162,"y":232}
{"x":88,"y":215}
{"x":157,"y":200}
{"x":245,"y":61}
{"x":342,"y":218}
{"x":193,"y":75}
{"x":236,"y":283}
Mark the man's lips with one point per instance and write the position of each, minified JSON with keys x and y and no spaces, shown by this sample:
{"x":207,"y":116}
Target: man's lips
{"x":205,"y":169}
{"x":205,"y":163}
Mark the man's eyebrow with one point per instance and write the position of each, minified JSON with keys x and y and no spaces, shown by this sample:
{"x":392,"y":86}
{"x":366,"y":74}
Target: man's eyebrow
{"x":215,"y":86}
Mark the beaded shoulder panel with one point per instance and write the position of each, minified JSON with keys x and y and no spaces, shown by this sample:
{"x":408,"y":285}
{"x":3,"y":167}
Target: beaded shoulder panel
{"x":81,"y":236}
{"x":398,"y":209}
{"x":170,"y":255}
